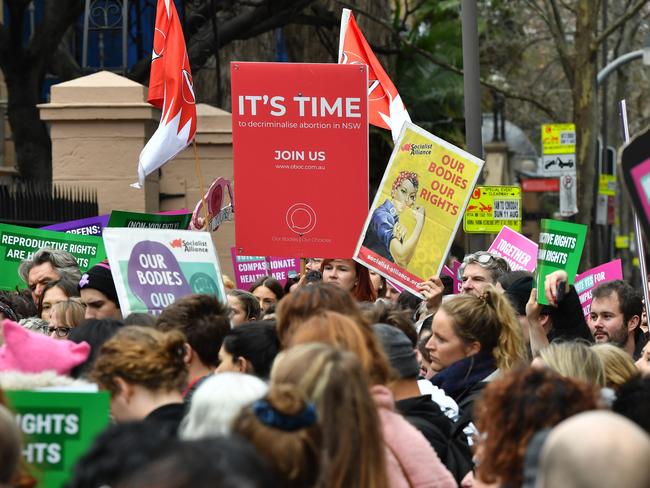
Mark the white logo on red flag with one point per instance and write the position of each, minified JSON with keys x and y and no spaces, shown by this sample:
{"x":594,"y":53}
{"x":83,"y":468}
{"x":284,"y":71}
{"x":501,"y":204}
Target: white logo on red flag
{"x":171,"y":89}
{"x":386,"y":108}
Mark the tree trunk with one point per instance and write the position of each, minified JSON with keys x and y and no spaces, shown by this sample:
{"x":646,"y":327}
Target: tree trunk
{"x":30,"y":135}
{"x":585,"y":117}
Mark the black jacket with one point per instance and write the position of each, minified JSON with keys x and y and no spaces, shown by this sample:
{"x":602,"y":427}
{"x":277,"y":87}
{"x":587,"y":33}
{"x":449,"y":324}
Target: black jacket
{"x":425,"y":415}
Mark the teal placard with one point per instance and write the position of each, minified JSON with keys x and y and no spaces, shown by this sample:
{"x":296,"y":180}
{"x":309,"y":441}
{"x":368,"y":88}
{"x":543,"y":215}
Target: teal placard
{"x":18,"y":243}
{"x":149,"y":221}
{"x":560,"y":247}
{"x":58,"y":428}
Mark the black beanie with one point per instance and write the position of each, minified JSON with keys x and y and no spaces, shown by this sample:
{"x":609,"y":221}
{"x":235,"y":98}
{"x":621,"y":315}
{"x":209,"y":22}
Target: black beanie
{"x":519,"y":292}
{"x":99,"y":278}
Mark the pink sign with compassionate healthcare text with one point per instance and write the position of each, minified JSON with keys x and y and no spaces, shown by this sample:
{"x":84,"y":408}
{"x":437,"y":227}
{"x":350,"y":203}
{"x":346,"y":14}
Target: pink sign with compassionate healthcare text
{"x":590,"y":279}
{"x":250,"y":268}
{"x":519,"y":251}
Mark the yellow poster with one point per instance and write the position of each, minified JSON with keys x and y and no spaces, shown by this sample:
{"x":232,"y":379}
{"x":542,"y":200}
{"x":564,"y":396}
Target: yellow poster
{"x":492,"y":207}
{"x":418,"y":208}
{"x":558,"y":139}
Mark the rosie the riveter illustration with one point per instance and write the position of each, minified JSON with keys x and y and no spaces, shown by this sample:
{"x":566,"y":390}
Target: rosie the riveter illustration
{"x":386,"y":235}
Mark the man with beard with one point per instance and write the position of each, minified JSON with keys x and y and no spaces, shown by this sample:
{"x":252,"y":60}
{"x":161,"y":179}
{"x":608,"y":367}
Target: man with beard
{"x":615,"y":316}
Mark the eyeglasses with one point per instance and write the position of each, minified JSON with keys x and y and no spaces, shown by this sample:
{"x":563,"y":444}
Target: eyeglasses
{"x":59,"y":331}
{"x":485,"y":258}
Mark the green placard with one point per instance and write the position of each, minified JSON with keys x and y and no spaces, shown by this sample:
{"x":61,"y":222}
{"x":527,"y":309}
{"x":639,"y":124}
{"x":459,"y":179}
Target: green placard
{"x":560,"y":247}
{"x":18,"y":243}
{"x":149,"y":221}
{"x":58,"y":428}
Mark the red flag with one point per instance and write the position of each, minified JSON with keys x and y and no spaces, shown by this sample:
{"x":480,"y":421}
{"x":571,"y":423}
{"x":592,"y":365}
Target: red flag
{"x":386,"y":108}
{"x":171,"y":89}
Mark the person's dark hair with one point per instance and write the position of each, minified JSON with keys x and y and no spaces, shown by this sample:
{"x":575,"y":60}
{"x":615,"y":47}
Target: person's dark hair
{"x":313,"y":276}
{"x":118,"y":452}
{"x":270,"y":283}
{"x":269,"y":313}
{"x":290,"y":282}
{"x":22,"y":303}
{"x":408,"y":301}
{"x":448,"y":285}
{"x":204,"y":321}
{"x":140,"y":318}
{"x":95,"y":332}
{"x":629,"y":299}
{"x":206,"y":463}
{"x":249,"y":301}
{"x":508,"y":279}
{"x":633,"y":401}
{"x":257,"y":342}
{"x":383,"y":312}
{"x":312,"y":300}
{"x":67,"y":285}
{"x":10,"y":304}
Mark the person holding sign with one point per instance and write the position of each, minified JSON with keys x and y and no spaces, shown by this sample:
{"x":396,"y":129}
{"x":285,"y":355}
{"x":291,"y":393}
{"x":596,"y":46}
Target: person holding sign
{"x":386,"y":235}
{"x":480,"y":269}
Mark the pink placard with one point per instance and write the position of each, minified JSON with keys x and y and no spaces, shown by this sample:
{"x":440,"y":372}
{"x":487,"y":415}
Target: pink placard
{"x":250,"y":268}
{"x":587,"y":281}
{"x":518,"y":250}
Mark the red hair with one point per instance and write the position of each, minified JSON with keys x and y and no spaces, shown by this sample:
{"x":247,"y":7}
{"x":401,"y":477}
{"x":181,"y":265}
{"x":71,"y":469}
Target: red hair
{"x":363,"y":290}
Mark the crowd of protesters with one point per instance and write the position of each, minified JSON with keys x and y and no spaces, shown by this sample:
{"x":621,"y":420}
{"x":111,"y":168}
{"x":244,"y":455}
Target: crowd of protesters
{"x":340,"y":379}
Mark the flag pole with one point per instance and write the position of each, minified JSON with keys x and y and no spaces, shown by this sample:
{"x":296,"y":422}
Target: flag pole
{"x":637,"y":224}
{"x":199,"y":175}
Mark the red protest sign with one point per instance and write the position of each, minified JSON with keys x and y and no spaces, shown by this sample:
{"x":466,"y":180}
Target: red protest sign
{"x":300,"y":146}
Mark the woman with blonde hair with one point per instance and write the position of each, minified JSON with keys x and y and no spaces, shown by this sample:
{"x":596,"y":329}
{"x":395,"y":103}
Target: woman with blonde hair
{"x":573,"y":360}
{"x":411,"y":461}
{"x":145,"y":372}
{"x":352,"y":452}
{"x":65,"y":316}
{"x":618,"y":365}
{"x":473,"y":339}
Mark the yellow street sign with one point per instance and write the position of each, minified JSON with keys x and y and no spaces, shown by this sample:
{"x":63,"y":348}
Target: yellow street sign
{"x":558,"y":139}
{"x":492,"y":207}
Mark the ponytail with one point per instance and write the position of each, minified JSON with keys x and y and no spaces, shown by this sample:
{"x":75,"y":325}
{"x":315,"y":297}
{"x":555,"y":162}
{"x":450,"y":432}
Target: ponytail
{"x":510,"y":350}
{"x":489,"y":320}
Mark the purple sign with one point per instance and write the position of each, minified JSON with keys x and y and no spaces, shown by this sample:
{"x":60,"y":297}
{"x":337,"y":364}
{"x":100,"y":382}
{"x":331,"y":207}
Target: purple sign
{"x":155,"y":276}
{"x":91,"y":226}
{"x":249,"y":268}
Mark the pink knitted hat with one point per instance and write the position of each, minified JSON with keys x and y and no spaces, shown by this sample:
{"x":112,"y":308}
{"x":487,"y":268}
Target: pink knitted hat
{"x":31,"y":352}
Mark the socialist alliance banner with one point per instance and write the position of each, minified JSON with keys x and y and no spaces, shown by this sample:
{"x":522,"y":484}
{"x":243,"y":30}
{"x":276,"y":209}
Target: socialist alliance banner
{"x":153,"y":268}
{"x":418,"y":208}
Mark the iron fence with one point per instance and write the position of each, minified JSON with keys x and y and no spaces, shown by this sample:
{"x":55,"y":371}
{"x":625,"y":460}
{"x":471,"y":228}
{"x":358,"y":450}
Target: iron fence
{"x":36,"y":205}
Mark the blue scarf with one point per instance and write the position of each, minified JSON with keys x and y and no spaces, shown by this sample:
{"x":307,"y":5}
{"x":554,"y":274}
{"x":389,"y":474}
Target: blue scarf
{"x":459,"y":378}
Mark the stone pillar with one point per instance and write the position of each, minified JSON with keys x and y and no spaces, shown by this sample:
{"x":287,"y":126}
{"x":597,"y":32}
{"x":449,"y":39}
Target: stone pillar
{"x":179,"y":182}
{"x":495,"y":171}
{"x":99,"y":124}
